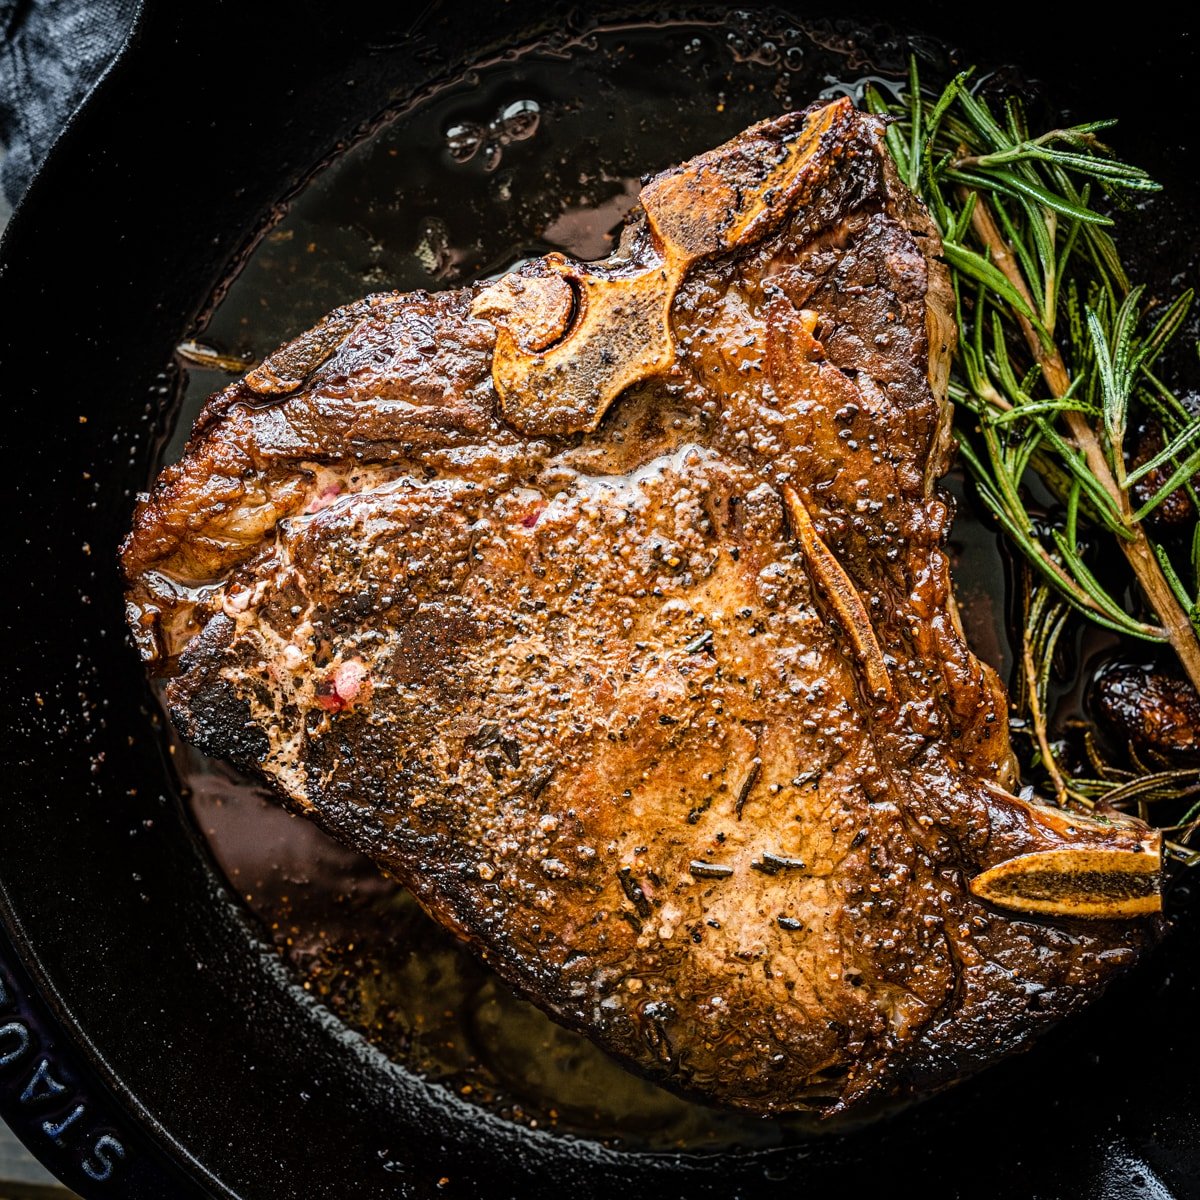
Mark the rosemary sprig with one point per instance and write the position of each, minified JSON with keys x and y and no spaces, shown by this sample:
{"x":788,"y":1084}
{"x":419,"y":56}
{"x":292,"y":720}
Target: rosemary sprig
{"x":1144,"y":793}
{"x":1055,"y":364}
{"x":1021,"y":234}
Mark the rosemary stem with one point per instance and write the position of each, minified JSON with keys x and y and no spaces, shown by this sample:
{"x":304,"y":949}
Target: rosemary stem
{"x":1138,"y":551}
{"x":1038,"y":719}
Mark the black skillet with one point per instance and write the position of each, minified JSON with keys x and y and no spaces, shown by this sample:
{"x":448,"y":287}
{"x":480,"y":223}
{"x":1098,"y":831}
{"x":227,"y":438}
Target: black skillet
{"x":150,"y":1044}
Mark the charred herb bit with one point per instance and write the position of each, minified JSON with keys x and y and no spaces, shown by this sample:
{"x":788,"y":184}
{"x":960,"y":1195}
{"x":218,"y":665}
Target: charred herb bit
{"x":703,"y":642}
{"x":789,"y":923}
{"x":747,"y":787}
{"x":539,"y":781}
{"x":772,"y":864}
{"x":488,"y":734}
{"x":633,"y":891}
{"x":707,"y":870}
{"x":1056,"y":360}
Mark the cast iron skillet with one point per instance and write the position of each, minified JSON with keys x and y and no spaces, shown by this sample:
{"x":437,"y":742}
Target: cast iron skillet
{"x":150,"y":1045}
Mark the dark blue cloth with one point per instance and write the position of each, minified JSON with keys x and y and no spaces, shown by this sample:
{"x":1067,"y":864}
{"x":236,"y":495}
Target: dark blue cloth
{"x":51,"y":53}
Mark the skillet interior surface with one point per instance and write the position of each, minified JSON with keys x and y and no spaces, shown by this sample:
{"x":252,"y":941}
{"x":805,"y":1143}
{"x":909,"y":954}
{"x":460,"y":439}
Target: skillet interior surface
{"x":128,"y":968}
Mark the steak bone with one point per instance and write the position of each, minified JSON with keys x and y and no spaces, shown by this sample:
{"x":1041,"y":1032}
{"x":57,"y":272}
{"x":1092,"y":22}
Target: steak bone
{"x":564,"y":354}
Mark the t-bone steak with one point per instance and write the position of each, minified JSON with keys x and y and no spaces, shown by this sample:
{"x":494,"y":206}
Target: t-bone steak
{"x":605,"y":606}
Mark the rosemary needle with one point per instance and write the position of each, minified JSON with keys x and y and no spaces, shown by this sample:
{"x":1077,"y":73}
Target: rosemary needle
{"x":1054,"y":365}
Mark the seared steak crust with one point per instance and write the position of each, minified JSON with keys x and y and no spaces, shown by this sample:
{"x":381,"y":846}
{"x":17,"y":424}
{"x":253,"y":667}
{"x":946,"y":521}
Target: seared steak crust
{"x":671,"y":717}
